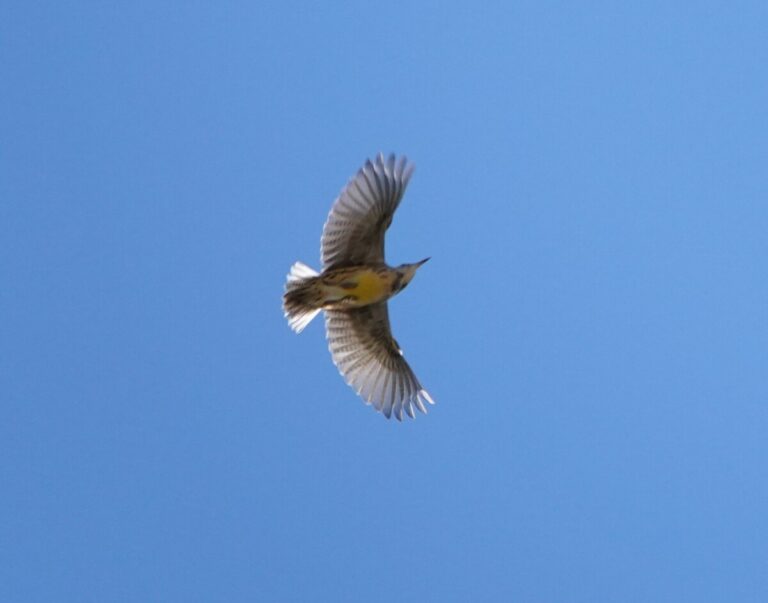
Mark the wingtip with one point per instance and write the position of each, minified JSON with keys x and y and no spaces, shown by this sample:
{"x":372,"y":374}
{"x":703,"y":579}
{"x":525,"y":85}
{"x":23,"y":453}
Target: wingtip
{"x":425,"y":394}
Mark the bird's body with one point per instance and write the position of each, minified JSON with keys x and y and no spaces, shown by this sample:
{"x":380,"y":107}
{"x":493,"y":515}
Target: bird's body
{"x":354,"y":287}
{"x":350,"y":287}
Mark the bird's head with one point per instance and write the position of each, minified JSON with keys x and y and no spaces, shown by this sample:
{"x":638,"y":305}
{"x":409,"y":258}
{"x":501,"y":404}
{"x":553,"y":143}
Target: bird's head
{"x":408,"y":271}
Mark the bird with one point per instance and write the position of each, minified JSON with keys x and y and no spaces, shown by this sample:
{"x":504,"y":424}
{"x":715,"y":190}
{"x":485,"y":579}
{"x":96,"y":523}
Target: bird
{"x":354,"y":286}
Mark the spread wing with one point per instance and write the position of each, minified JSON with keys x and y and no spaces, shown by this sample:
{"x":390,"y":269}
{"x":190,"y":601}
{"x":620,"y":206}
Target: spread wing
{"x":354,"y":231}
{"x":371,"y":362}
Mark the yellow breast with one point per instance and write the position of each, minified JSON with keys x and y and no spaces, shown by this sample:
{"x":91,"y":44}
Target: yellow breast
{"x":355,"y":287}
{"x":370,"y":287}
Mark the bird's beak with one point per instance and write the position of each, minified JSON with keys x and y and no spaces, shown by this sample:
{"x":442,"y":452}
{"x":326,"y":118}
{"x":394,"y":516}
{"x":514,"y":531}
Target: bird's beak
{"x":424,"y":261}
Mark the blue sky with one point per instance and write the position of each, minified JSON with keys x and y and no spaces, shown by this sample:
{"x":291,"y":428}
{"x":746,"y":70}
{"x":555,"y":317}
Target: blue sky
{"x":591,"y":185}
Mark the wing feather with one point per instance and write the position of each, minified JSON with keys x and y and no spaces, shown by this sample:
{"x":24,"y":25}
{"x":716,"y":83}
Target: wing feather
{"x":369,"y":359}
{"x":354,"y":231}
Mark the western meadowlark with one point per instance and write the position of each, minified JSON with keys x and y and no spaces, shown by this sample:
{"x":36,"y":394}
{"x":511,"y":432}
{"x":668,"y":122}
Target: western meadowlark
{"x":354,"y":287}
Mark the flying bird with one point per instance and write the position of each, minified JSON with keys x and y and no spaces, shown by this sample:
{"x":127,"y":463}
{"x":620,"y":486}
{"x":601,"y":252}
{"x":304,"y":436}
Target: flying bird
{"x":354,"y":286}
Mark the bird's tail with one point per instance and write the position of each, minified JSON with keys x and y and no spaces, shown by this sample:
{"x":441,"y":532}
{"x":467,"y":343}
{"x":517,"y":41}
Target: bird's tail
{"x":302,"y":298}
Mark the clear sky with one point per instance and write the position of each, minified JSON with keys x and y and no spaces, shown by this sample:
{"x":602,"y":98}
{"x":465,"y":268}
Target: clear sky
{"x":592,"y":186}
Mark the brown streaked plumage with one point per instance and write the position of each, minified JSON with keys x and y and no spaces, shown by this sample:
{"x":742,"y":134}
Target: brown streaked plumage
{"x":354,"y":287}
